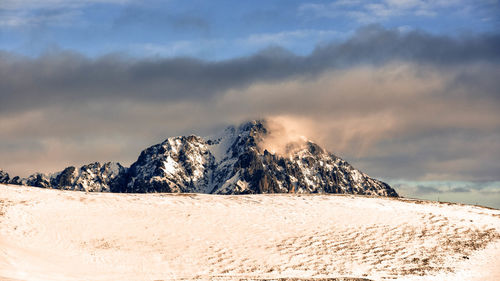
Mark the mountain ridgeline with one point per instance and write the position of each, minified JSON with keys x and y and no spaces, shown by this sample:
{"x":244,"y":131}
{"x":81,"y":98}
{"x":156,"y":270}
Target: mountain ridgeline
{"x":233,"y":162}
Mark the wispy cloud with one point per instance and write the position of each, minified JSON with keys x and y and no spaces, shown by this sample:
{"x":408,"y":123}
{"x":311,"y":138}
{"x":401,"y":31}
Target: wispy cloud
{"x":182,"y":48}
{"x":424,"y":187}
{"x":471,"y":192}
{"x":222,"y":48}
{"x":40,"y":18}
{"x":141,"y":14}
{"x":377,"y":11}
{"x":26,"y":13}
{"x":285,"y":38}
{"x":53,"y":4}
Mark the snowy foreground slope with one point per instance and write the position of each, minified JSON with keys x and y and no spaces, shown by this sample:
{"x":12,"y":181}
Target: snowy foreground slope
{"x":48,"y":234}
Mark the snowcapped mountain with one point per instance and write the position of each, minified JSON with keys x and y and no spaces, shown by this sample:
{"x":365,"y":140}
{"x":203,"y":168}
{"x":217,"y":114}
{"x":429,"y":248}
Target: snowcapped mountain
{"x":236,"y":161}
{"x":92,"y":177}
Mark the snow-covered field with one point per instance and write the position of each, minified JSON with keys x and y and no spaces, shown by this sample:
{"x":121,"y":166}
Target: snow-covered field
{"x":65,"y":235}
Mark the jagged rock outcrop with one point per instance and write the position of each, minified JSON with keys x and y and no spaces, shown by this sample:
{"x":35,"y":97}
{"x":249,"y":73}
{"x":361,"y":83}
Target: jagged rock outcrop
{"x":233,"y":162}
{"x":107,"y":177}
{"x":4,"y":177}
{"x":179,"y":164}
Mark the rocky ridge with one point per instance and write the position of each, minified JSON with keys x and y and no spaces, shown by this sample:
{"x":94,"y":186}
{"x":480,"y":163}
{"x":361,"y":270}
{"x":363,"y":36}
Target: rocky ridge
{"x":99,"y":177}
{"x":233,"y":162}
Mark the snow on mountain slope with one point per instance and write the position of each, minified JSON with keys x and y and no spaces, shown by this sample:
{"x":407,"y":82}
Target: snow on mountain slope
{"x":92,"y":177}
{"x":64,"y":235}
{"x":235,"y":162}
{"x":179,"y":164}
{"x":247,"y":159}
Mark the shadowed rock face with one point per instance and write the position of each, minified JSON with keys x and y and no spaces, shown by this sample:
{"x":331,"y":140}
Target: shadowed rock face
{"x":105,"y":177}
{"x":4,"y":177}
{"x":230,"y":163}
{"x":233,"y":163}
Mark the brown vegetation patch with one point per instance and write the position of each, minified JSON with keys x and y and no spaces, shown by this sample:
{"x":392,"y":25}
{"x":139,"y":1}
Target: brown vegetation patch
{"x":1,"y":207}
{"x":432,"y":242}
{"x":100,"y":244}
{"x":223,"y":278}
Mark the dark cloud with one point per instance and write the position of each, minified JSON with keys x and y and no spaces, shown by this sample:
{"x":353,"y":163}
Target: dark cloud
{"x":396,"y":105}
{"x":376,"y":45}
{"x":470,"y":152}
{"x":459,"y":189}
{"x":68,"y":77}
{"x":62,"y":76}
{"x":422,"y":189}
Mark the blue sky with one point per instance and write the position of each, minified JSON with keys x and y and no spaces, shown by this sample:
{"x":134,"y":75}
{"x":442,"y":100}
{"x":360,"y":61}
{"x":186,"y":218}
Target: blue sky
{"x":405,"y":90}
{"x":216,"y":30}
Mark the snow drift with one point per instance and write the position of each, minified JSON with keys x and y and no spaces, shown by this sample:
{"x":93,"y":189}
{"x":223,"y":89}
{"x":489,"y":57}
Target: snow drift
{"x":55,"y":235}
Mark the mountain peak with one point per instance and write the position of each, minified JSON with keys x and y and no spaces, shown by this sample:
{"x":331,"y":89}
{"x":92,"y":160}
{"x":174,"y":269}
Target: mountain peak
{"x":254,"y":125}
{"x":258,"y":156}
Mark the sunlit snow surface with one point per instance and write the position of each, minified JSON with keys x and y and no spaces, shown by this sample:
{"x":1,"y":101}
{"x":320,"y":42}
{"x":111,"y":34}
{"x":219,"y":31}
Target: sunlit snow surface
{"x":65,"y":235}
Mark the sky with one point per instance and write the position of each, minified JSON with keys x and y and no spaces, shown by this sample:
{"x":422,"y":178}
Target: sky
{"x":405,"y":90}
